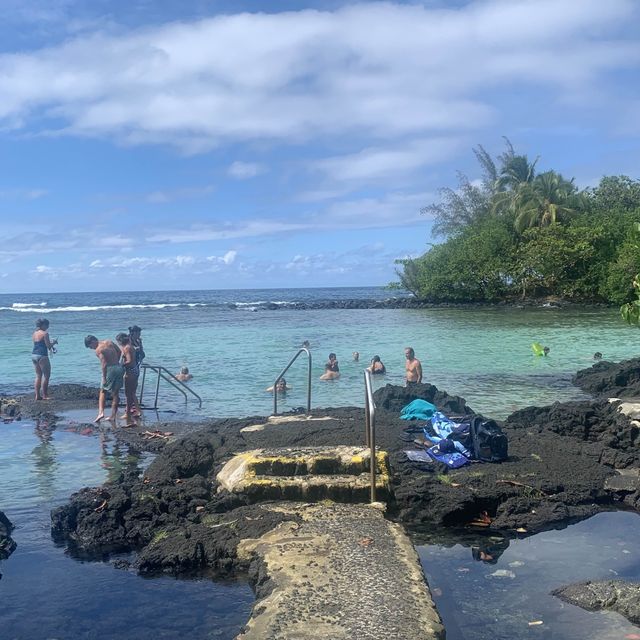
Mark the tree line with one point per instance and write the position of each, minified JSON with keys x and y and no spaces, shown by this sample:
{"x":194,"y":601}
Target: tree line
{"x":523,"y":233}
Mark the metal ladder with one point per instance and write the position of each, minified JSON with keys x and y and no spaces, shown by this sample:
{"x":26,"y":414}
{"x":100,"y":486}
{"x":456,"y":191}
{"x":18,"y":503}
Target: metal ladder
{"x":275,"y":393}
{"x":167,"y":376}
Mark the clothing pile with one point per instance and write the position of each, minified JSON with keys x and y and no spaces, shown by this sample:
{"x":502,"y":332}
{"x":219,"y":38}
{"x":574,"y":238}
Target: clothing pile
{"x":454,"y":443}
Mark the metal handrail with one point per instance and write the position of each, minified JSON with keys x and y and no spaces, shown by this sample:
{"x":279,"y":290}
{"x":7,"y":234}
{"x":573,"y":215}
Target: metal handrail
{"x":275,"y":384}
{"x":370,"y":429}
{"x":167,"y":376}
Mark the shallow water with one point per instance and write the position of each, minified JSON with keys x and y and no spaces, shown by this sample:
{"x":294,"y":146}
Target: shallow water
{"x":235,"y":353}
{"x":46,"y":594}
{"x":478,"y":604}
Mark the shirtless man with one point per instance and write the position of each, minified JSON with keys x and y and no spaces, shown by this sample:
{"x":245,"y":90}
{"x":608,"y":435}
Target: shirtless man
{"x":112,"y":374}
{"x":412,"y":366}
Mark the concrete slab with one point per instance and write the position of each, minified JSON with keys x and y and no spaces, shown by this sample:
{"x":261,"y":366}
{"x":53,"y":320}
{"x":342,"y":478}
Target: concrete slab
{"x":344,"y":573}
{"x":280,"y":420}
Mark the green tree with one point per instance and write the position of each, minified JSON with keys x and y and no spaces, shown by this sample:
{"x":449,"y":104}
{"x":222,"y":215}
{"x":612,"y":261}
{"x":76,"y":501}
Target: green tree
{"x":549,"y":199}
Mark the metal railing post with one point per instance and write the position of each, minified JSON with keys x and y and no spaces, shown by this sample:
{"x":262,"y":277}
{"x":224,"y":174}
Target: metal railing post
{"x":144,"y":375}
{"x":155,"y":404}
{"x":370,"y":426}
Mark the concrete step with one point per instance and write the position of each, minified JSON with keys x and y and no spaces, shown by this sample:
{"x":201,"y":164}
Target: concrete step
{"x":308,"y":474}
{"x":309,"y":461}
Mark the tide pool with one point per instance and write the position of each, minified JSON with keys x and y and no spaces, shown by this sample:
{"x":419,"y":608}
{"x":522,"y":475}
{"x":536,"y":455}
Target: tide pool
{"x":47,"y":594}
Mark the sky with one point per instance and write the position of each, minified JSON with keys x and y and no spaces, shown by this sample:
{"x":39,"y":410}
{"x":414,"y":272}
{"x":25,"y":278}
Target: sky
{"x":215,"y":144}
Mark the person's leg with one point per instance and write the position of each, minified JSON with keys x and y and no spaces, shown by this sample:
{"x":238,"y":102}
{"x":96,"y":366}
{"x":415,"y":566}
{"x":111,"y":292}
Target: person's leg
{"x":114,"y":404}
{"x":101,"y":400}
{"x":45,"y":366}
{"x":38,"y":382}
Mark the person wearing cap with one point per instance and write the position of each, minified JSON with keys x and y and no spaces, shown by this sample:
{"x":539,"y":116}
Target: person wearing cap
{"x":135,"y":340}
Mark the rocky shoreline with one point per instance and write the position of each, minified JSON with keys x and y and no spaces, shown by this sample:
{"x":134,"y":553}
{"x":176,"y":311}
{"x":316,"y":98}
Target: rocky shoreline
{"x":566,"y":462}
{"x":410,"y":302}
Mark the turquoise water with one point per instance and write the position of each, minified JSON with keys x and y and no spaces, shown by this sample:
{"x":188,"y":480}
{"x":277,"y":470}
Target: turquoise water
{"x":46,"y":594}
{"x":481,"y":601}
{"x":236,"y":352}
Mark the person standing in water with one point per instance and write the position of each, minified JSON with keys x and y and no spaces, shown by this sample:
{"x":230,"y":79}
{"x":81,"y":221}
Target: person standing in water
{"x":135,"y":340}
{"x":42,"y":346}
{"x":413,"y":367}
{"x":131,"y":373}
{"x":112,"y":374}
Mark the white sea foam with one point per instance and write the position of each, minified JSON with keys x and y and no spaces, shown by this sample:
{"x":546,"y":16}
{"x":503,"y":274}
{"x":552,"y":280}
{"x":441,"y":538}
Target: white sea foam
{"x":39,"y":309}
{"x":21,"y":305}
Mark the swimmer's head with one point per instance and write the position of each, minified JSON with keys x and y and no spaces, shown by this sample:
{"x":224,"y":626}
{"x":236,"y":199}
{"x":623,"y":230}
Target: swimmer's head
{"x":546,"y":350}
{"x":184,"y":371}
{"x":332,"y":356}
{"x":597,"y":355}
{"x":356,"y":355}
{"x":375,"y":359}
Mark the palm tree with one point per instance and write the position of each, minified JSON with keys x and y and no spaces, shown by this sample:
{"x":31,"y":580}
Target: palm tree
{"x":548,"y":199}
{"x":516,"y":173}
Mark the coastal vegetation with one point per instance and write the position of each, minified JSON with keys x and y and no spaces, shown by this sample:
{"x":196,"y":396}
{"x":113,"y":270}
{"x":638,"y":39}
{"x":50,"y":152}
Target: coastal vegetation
{"x":523,"y":233}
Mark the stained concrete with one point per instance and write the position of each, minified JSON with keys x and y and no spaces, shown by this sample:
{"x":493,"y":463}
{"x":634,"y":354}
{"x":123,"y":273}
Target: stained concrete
{"x":339,"y":572}
{"x":305,"y":473}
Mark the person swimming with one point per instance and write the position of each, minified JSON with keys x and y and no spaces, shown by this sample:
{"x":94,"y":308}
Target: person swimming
{"x":184,"y":375}
{"x":281,"y":386}
{"x":331,"y":368}
{"x":377,"y":366}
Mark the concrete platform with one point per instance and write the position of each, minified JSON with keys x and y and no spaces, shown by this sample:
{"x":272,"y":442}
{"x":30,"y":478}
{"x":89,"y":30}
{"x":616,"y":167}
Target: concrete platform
{"x":344,"y":573}
{"x":340,"y":474}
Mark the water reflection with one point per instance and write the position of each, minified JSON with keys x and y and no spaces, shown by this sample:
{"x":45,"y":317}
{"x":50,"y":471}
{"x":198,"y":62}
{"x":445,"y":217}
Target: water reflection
{"x":44,"y":460}
{"x":493,"y":587}
{"x":45,"y":593}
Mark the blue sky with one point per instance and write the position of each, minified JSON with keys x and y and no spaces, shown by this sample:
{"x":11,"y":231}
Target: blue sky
{"x":154,"y":144}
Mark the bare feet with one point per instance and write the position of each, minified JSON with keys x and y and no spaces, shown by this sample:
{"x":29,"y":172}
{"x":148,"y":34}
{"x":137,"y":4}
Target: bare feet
{"x":99,"y":417}
{"x":113,"y":418}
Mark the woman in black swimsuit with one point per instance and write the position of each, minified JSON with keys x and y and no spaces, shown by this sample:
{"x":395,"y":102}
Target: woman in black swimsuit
{"x":42,"y":346}
{"x":131,"y":373}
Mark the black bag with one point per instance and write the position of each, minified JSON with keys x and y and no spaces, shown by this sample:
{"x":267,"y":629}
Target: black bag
{"x":488,"y":442}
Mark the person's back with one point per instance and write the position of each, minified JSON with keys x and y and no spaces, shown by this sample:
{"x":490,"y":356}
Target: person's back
{"x":109,"y":351}
{"x":377,"y":366}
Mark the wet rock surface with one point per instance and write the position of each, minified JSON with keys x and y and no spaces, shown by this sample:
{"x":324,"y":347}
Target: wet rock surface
{"x":560,"y":458}
{"x":614,"y":595}
{"x":7,"y":545}
{"x":64,"y":397}
{"x":611,"y":379}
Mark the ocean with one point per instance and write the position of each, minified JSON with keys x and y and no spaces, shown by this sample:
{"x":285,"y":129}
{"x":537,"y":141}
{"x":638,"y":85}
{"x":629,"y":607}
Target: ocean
{"x":235,"y":343}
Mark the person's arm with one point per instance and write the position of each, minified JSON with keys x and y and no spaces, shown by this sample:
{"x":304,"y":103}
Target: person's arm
{"x":50,"y":344}
{"x":103,"y":364}
{"x":128,"y":356}
{"x":419,"y":371}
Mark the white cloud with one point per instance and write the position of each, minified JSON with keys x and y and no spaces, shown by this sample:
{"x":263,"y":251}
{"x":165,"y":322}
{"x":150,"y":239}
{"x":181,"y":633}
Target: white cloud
{"x":382,"y":163}
{"x":377,"y":70}
{"x":245,"y":170}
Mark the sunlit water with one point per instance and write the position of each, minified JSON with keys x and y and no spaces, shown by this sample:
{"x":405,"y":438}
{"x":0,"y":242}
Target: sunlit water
{"x":481,"y":601}
{"x":46,"y":594}
{"x":235,"y":353}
